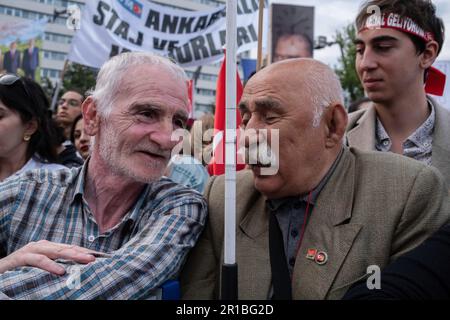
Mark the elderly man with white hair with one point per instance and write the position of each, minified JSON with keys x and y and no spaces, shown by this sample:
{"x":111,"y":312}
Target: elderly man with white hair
{"x":329,"y":214}
{"x":113,"y":229}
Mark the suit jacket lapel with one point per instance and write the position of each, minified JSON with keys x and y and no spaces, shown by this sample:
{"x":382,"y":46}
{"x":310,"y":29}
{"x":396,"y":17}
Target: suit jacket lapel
{"x":441,"y":143}
{"x":362,"y":135}
{"x":254,"y":275}
{"x":328,"y":230}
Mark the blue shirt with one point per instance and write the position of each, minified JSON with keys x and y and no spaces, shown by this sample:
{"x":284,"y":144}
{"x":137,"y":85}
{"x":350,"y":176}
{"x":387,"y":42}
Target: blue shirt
{"x":146,"y":248}
{"x":189,"y":172}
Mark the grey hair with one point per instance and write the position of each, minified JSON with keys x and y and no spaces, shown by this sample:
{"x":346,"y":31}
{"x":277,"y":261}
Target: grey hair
{"x":111,"y":73}
{"x":323,"y":87}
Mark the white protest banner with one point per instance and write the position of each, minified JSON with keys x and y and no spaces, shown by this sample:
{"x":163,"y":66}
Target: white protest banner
{"x":444,"y":66}
{"x":192,"y":38}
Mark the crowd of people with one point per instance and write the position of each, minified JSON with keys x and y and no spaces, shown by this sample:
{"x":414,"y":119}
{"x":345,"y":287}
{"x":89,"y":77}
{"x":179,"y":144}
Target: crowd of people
{"x":104,"y":188}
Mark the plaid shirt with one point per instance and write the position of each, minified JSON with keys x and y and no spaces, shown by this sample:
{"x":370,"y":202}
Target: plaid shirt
{"x":145,"y":249}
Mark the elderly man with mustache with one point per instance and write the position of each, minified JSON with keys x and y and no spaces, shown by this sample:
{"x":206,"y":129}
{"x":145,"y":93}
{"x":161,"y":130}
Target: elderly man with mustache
{"x":312,"y":227}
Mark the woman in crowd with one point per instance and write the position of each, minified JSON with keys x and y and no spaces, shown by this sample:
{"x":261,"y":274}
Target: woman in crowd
{"x":79,"y":138}
{"x":27,"y":139}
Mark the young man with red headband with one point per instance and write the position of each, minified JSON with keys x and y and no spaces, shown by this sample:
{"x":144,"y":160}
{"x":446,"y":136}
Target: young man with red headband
{"x":396,"y":44}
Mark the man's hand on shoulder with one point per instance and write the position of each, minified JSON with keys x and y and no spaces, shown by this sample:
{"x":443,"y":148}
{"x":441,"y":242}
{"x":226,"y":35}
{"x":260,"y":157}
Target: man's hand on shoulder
{"x":42,"y":254}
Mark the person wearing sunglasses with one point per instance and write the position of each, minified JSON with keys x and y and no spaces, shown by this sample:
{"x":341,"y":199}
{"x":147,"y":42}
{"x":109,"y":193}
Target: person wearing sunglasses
{"x":27,"y":138}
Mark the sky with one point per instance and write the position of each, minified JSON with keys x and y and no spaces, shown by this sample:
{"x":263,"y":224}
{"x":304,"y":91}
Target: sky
{"x":332,"y":15}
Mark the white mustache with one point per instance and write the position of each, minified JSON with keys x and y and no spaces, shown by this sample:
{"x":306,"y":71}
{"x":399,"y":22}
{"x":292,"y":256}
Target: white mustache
{"x":261,"y":155}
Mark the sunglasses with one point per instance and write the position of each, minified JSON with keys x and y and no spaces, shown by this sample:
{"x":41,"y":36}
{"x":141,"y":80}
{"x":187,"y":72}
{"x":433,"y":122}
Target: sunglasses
{"x":9,"y":79}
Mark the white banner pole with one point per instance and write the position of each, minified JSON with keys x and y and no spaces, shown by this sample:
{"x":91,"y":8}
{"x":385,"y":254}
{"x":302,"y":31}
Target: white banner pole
{"x":229,"y":269}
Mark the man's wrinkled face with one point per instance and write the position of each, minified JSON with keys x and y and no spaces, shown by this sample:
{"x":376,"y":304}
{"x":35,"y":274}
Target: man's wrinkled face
{"x":135,"y":139}
{"x":271,"y":101}
{"x":387,"y":63}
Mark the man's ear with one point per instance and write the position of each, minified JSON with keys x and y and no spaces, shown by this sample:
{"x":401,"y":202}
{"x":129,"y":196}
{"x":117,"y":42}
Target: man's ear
{"x":91,"y":117}
{"x":429,"y":55}
{"x":336,"y":119}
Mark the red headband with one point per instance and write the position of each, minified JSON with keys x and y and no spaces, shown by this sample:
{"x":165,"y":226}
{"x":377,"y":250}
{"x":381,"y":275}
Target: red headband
{"x":398,"y":22}
{"x":435,"y":80}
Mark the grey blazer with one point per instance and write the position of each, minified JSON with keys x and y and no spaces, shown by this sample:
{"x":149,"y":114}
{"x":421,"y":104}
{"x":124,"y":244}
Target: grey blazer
{"x":375,"y":207}
{"x":361,"y":135}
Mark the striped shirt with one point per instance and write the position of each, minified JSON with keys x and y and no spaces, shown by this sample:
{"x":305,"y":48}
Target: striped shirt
{"x":146,"y":248}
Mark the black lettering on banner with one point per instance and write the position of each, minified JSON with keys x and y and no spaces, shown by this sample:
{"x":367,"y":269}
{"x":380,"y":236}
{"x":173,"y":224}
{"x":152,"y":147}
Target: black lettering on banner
{"x":164,"y":45}
{"x":122,"y":30}
{"x":216,"y":16}
{"x":159,"y":45}
{"x":251,"y":29}
{"x":223,"y":37}
{"x":169,"y":23}
{"x":198,"y":47}
{"x":115,"y":50}
{"x":186,"y":25}
{"x":101,"y":17}
{"x":153,"y":20}
{"x":212,"y":46}
{"x":239,"y":10}
{"x":255,"y":5}
{"x":242,"y":36}
{"x":139,"y":39}
{"x":172,"y":44}
{"x":245,"y":7}
{"x":183,"y":54}
{"x":112,"y":20}
{"x":201,"y":23}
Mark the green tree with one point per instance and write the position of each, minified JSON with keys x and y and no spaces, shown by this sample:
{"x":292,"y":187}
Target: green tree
{"x":346,"y":69}
{"x":79,"y":77}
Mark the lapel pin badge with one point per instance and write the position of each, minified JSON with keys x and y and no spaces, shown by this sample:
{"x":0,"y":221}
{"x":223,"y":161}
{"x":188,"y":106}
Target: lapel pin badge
{"x":321,"y":258}
{"x":311,"y":253}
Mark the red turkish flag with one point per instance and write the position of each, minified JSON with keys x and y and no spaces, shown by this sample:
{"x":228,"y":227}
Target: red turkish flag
{"x":217,"y":164}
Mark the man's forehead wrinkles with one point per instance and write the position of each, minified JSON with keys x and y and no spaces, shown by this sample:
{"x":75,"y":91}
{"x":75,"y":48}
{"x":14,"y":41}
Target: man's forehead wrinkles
{"x":267,"y":102}
{"x":259,"y":90}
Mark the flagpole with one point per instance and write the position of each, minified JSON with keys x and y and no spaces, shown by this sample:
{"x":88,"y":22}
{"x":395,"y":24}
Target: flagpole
{"x":260,"y":34}
{"x":229,"y":289}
